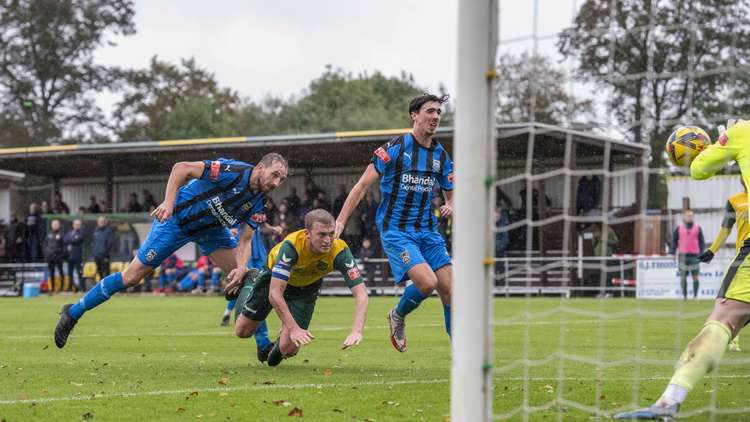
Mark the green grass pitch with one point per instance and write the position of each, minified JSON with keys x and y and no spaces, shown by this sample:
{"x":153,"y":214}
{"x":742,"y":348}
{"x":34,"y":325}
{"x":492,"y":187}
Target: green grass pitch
{"x":166,"y":358}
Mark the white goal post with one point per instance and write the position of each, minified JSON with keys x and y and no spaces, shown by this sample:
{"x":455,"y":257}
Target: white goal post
{"x":473,"y":246}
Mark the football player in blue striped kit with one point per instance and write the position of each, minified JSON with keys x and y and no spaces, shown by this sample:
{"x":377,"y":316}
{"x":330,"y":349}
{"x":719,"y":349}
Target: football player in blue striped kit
{"x":203,"y":199}
{"x":409,"y":167}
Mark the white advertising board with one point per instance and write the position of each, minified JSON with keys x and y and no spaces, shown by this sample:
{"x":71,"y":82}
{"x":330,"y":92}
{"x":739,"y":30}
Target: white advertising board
{"x":658,"y":278}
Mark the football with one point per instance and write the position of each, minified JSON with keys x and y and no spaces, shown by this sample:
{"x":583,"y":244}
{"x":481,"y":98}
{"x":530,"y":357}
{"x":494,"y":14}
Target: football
{"x":685,"y":143}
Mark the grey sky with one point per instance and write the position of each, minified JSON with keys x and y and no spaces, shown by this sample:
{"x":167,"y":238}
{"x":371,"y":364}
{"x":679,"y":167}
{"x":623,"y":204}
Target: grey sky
{"x":261,"y":47}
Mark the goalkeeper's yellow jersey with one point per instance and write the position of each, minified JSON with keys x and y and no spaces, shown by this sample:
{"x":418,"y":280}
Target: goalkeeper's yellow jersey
{"x":732,"y":145}
{"x":735,"y":211}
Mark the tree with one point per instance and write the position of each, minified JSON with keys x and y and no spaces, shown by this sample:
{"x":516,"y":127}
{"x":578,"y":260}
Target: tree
{"x":172,"y":101}
{"x":662,"y":61}
{"x":523,"y":78}
{"x":47,"y":69}
{"x":339,"y":101}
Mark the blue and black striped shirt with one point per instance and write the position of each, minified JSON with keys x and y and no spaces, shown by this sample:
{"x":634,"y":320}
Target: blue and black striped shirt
{"x":408,"y":174}
{"x":220,"y":197}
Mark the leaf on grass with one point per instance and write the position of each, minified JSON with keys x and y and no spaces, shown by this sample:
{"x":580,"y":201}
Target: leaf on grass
{"x":602,"y":397}
{"x":23,"y":397}
{"x":328,"y":372}
{"x":296,"y":412}
{"x":391,"y":403}
{"x":369,"y":420}
{"x":77,"y":384}
{"x":194,"y":393}
{"x":223,"y":394}
{"x":548,"y":388}
{"x":86,"y":416}
{"x":306,"y":361}
{"x":337,"y":410}
{"x":46,"y":346}
{"x":180,"y":410}
{"x":269,"y":382}
{"x":282,"y":403}
{"x":223,"y":381}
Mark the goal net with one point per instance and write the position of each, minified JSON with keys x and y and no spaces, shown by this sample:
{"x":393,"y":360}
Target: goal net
{"x":568,"y":300}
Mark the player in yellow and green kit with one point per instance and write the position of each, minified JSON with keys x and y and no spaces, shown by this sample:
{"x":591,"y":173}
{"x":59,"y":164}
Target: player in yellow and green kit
{"x":735,"y":211}
{"x":732,"y":307}
{"x":290,"y":280}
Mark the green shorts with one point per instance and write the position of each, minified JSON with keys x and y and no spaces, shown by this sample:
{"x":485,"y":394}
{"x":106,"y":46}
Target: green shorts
{"x":253,"y":301}
{"x":688,"y":263}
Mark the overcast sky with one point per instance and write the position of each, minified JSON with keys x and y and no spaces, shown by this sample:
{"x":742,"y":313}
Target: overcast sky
{"x":262,"y":47}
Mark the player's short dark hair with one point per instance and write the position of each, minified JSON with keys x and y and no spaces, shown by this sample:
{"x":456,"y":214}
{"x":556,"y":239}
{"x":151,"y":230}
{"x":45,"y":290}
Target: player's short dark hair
{"x":318,"y":216}
{"x":416,"y":103}
{"x":273,"y":157}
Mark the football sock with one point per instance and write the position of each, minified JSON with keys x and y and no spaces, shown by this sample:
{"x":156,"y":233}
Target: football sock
{"x":447,"y":318}
{"x":162,"y":279}
{"x":683,"y":284}
{"x":110,"y":285}
{"x":201,"y":279}
{"x":696,"y":283}
{"x":409,"y":301}
{"x":701,"y":356}
{"x":170,"y":278}
{"x":214,"y":279}
{"x":261,"y":336}
{"x":230,"y":305}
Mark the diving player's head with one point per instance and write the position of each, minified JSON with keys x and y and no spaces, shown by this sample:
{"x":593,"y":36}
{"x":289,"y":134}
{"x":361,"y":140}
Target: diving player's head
{"x":425,"y":111}
{"x":270,"y":173}
{"x":320,"y":228}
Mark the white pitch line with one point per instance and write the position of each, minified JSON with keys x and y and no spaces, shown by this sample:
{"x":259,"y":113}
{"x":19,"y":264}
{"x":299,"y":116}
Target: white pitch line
{"x":371,"y":327}
{"x":256,"y":387}
{"x":220,"y":390}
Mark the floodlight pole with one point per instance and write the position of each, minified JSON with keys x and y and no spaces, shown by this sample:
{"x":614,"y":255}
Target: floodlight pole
{"x":474,"y":150}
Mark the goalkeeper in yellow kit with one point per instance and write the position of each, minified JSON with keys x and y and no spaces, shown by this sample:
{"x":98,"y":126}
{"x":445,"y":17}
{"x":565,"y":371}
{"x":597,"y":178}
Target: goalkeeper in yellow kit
{"x":732,"y":307}
{"x":735,"y":211}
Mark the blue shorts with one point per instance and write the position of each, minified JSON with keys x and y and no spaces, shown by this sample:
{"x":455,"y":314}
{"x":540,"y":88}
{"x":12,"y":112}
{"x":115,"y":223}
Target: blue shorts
{"x":407,"y":249}
{"x":165,"y":238}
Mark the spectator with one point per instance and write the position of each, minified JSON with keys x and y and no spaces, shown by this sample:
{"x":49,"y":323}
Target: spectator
{"x":133,"y":205}
{"x":502,"y":219}
{"x":366,"y":253}
{"x":82,"y":210}
{"x":73,"y":242}
{"x":93,"y":206}
{"x":324,"y":202}
{"x":34,"y":234}
{"x":283,"y":216}
{"x":369,"y":209}
{"x":16,"y":235}
{"x":3,"y":241}
{"x":101,"y":246}
{"x":338,"y":203}
{"x":311,"y":189}
{"x":584,"y":196}
{"x":688,"y":243}
{"x":44,"y":208}
{"x":353,"y":232}
{"x":316,"y":204}
{"x":53,"y":254}
{"x":269,"y":208}
{"x":58,"y":206}
{"x":105,"y":206}
{"x":293,"y":202}
{"x":149,"y":203}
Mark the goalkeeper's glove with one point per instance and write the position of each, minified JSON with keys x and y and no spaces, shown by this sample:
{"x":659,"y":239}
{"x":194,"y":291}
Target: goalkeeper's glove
{"x":706,"y":256}
{"x":721,"y":128}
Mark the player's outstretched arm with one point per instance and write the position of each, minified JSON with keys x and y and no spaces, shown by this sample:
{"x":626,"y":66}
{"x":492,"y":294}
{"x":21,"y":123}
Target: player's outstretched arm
{"x":355,"y":196}
{"x":297,"y":334}
{"x":360,"y":315}
{"x":180,"y":174}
